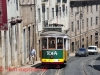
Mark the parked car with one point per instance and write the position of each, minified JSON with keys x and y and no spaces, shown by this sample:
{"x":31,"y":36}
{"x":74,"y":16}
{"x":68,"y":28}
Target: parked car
{"x":93,"y":50}
{"x":82,"y":52}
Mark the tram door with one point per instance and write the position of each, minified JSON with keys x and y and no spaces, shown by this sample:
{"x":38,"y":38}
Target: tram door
{"x":66,"y":44}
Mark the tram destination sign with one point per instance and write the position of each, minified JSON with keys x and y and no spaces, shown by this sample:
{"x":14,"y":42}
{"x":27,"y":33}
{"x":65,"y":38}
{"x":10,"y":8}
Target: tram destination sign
{"x":57,"y":54}
{"x":3,"y":15}
{"x":52,"y":53}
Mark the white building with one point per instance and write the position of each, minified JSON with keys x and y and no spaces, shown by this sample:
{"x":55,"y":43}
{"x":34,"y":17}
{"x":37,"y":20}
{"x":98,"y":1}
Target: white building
{"x":49,"y":11}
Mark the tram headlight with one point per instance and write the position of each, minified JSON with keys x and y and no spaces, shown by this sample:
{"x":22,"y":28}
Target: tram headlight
{"x":51,"y":57}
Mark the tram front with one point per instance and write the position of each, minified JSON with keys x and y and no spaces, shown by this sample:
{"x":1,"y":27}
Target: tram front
{"x":54,"y":47}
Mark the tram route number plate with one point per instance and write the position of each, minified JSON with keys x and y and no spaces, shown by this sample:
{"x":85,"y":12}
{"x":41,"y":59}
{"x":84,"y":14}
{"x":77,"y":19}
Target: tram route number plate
{"x":52,"y":53}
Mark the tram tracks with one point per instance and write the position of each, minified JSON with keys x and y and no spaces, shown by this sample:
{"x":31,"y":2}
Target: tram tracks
{"x":85,"y":70}
{"x":54,"y":71}
{"x":43,"y":69}
{"x":43,"y":73}
{"x":83,"y":67}
{"x":92,"y":65}
{"x":57,"y":72}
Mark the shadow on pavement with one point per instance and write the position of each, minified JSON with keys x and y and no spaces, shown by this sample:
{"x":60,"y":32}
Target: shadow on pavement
{"x":98,"y":58}
{"x":96,"y":67}
{"x":48,"y":66}
{"x":36,"y":65}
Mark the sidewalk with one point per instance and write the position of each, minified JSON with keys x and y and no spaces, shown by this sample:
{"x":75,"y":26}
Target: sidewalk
{"x":26,"y":68}
{"x":99,"y":50}
{"x":72,"y":54}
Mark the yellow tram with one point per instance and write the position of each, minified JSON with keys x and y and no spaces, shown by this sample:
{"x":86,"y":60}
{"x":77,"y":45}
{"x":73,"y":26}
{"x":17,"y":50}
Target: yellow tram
{"x":54,"y":47}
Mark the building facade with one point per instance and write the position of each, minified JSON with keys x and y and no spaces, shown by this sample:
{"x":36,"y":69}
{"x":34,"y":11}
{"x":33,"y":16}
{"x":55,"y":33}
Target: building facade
{"x":27,"y":11}
{"x":10,"y":39}
{"x":16,"y":42}
{"x":84,"y":23}
{"x":49,"y":12}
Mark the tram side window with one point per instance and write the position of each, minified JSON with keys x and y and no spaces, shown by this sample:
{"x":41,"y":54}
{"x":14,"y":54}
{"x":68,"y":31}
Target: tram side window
{"x":52,"y":42}
{"x":64,"y":43}
{"x":59,"y":43}
{"x":44,"y":43}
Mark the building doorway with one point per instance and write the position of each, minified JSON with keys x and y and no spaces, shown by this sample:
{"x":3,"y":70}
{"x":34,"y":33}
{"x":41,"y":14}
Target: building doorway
{"x":72,"y":46}
{"x":28,"y":42}
{"x":91,"y":39}
{"x":96,"y":43}
{"x":5,"y":48}
{"x":82,"y":42}
{"x":96,"y":38}
{"x":87,"y":42}
{"x":24,"y":44}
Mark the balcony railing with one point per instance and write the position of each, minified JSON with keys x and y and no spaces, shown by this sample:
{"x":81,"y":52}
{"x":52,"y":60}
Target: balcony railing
{"x":54,"y":25}
{"x":45,"y":23}
{"x":52,"y":29}
{"x":96,"y":38}
{"x":58,"y":1}
{"x":64,"y":1}
{"x":44,"y":0}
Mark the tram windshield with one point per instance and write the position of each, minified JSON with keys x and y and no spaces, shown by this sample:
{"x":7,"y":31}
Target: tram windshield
{"x":44,"y":43}
{"x":59,"y":43}
{"x":53,"y":43}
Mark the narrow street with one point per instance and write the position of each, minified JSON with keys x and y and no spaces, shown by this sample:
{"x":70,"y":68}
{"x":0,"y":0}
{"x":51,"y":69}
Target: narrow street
{"x":49,"y":31}
{"x":75,"y":66}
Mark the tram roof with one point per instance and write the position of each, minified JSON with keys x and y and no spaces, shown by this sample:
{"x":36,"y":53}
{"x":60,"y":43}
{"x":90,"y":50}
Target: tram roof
{"x":53,"y":33}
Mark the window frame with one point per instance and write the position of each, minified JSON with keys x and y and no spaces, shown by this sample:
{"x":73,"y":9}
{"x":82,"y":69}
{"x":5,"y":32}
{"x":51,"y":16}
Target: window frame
{"x":54,"y":39}
{"x":62,"y":43}
{"x":39,"y":15}
{"x":52,"y":13}
{"x":42,"y":43}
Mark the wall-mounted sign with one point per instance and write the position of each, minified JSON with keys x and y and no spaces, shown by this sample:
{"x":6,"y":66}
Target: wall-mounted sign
{"x":3,"y":15}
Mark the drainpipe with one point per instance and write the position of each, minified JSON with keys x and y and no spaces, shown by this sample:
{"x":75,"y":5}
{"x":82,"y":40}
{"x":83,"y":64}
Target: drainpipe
{"x":80,"y":21}
{"x":34,"y":23}
{"x":34,"y":40}
{"x":35,"y":28}
{"x":99,"y":24}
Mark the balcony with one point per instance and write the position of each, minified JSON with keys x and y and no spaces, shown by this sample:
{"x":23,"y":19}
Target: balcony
{"x":44,"y":1}
{"x":96,"y":38}
{"x":58,"y":1}
{"x":52,"y":27}
{"x":45,"y":23}
{"x":64,"y":2}
{"x":23,"y":3}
